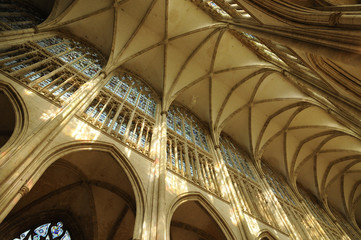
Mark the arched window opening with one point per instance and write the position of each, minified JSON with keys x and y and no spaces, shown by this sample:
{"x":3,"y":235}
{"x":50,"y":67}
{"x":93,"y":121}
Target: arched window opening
{"x":17,"y":14}
{"x":320,"y":215}
{"x":125,"y":108}
{"x":278,"y":185}
{"x":289,"y":204}
{"x":187,"y":149}
{"x":7,"y":124}
{"x":188,"y":223}
{"x":234,"y":159}
{"x":244,"y":177}
{"x":55,"y":66}
{"x":84,"y":195}
{"x":47,"y":231}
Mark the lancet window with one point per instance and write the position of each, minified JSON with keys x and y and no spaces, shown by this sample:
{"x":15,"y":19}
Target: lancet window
{"x":55,"y":66}
{"x":188,"y":149}
{"x":47,"y":231}
{"x":18,"y":15}
{"x":125,"y":108}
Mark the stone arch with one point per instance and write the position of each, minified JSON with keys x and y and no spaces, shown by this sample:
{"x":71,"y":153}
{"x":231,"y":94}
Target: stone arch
{"x":65,"y":150}
{"x":265,"y":235}
{"x":15,"y":124}
{"x":198,"y":198}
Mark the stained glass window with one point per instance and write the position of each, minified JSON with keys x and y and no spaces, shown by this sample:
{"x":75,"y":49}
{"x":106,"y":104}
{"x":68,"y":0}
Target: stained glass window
{"x":186,"y":125}
{"x":18,"y":15}
{"x":47,"y":231}
{"x":133,"y":91}
{"x":55,"y":66}
{"x":125,"y":108}
{"x":233,"y":157}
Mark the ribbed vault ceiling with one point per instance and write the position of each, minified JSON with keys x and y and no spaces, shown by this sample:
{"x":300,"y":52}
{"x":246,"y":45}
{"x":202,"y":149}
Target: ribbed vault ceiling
{"x":187,"y":56}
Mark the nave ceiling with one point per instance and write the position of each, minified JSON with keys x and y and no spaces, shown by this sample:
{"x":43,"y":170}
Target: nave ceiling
{"x":189,"y":57}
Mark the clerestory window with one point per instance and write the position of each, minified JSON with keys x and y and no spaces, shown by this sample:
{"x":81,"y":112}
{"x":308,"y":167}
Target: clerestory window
{"x":125,"y":108}
{"x":55,"y":66}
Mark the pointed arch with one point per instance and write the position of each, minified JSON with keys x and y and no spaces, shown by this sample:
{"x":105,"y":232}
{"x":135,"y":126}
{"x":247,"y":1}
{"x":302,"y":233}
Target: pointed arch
{"x":207,"y":206}
{"x":44,"y":162}
{"x":265,"y":235}
{"x":20,"y":114}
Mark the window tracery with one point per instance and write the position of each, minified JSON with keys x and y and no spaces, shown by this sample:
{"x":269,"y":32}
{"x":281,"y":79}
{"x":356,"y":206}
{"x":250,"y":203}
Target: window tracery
{"x":188,"y":149}
{"x":318,"y":213}
{"x":125,"y":108}
{"x":55,"y":66}
{"x":233,"y":157}
{"x":17,"y":15}
{"x":47,"y":231}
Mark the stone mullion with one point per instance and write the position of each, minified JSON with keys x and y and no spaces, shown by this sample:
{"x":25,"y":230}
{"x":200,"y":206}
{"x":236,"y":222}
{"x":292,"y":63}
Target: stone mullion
{"x":213,"y":176}
{"x":32,"y":66}
{"x":249,"y":195}
{"x":169,"y":157}
{"x":64,"y":75}
{"x":9,"y":59}
{"x":30,"y":82}
{"x":210,"y":178}
{"x":109,"y":118}
{"x":129,"y":125}
{"x":20,"y":71}
{"x":102,"y":110}
{"x":124,"y":117}
{"x":118,"y":111}
{"x":24,"y":160}
{"x":65,"y":90}
{"x":231,"y":192}
{"x":146,"y":145}
{"x":237,"y":186}
{"x":275,"y":208}
{"x":99,"y":98}
{"x":141,"y":133}
{"x":136,"y":123}
{"x":186,"y":158}
{"x":176,"y":160}
{"x":196,"y":168}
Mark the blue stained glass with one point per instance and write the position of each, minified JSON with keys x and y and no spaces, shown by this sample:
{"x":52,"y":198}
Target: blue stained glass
{"x":49,"y":41}
{"x":187,"y":129}
{"x":204,"y":141}
{"x":196,"y":137}
{"x":92,"y":70}
{"x":81,"y":64}
{"x":122,"y":90}
{"x":170,"y":120}
{"x":41,"y":231}
{"x":112,"y":83}
{"x":122,"y":128}
{"x":23,"y":235}
{"x":142,"y":103}
{"x":57,"y":231}
{"x":132,"y":97}
{"x":66,"y":236}
{"x":178,"y":125}
{"x":151,"y":108}
{"x":59,"y":48}
{"x":71,"y":56}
